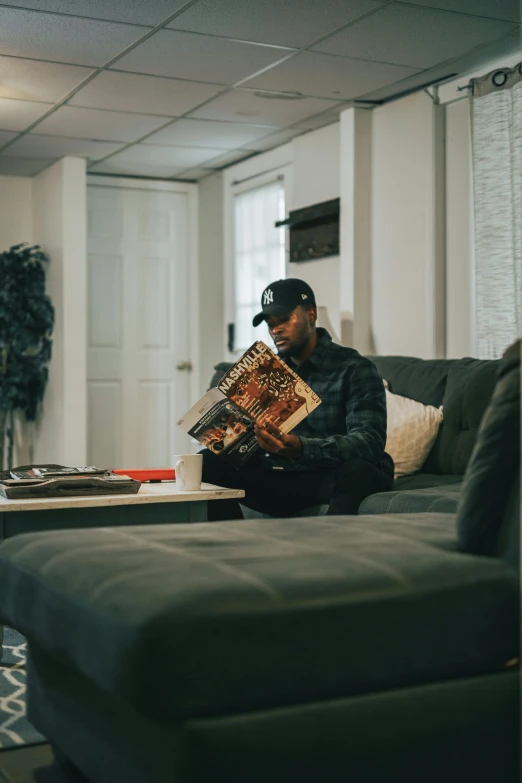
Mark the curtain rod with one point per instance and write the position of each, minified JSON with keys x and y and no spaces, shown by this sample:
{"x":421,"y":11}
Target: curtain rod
{"x":492,"y":74}
{"x":261,"y":174}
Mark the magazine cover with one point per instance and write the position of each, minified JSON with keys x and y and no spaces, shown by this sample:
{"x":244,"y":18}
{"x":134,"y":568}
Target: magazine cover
{"x":266,"y":388}
{"x":259,"y":387}
{"x":222,"y":427}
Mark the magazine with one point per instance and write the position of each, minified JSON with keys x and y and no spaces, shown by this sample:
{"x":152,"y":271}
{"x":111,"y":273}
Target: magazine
{"x":258,"y":388}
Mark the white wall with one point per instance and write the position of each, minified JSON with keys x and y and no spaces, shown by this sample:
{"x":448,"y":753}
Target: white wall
{"x":407,"y":228}
{"x":59,"y":211}
{"x":16,"y":211}
{"x":405,"y":271}
{"x":211,"y":276}
{"x":460,"y":317}
{"x":16,"y":226}
{"x":316,"y":178}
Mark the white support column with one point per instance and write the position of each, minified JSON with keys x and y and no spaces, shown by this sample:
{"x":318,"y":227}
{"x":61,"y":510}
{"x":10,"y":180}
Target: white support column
{"x":316,"y":178}
{"x":355,"y":228}
{"x":59,"y":219}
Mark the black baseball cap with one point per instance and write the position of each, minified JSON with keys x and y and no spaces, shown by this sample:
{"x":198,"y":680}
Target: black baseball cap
{"x":283,"y":296}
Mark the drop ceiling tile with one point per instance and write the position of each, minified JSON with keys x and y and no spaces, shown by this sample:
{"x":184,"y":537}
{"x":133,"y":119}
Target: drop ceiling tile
{"x":6,"y":136}
{"x":136,"y":11}
{"x":328,"y":76}
{"x":507,"y":46}
{"x":295,"y":23}
{"x":206,"y":133}
{"x":63,"y":38}
{"x":33,"y":145}
{"x":422,"y":37}
{"x":320,"y":120}
{"x":18,"y":115}
{"x":99,"y":124}
{"x":143,"y":94}
{"x":274,"y":140}
{"x":134,"y":169}
{"x":499,"y":9}
{"x":23,"y":167}
{"x":199,"y":57}
{"x":196,"y":174}
{"x":230,"y":157}
{"x":31,"y":80}
{"x":175,"y":157}
{"x":242,"y":105}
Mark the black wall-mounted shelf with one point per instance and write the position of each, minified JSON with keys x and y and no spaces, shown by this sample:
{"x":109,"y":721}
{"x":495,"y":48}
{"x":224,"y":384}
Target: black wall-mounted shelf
{"x":314,"y":231}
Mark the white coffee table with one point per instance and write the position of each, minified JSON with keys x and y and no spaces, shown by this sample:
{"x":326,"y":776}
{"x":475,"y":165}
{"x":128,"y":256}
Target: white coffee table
{"x":160,"y":503}
{"x":154,"y":504}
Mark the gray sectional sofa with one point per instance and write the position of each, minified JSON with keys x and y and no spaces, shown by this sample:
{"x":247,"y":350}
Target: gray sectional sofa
{"x":371,"y":649}
{"x":464,"y":388}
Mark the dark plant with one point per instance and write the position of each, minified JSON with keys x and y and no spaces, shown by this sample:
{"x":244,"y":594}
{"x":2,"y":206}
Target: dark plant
{"x":26,"y":325}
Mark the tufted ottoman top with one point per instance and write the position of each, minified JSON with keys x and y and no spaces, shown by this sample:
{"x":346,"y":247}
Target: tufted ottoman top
{"x":232,"y":617}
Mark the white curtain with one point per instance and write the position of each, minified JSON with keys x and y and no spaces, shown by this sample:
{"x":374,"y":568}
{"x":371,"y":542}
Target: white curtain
{"x":496,"y":119}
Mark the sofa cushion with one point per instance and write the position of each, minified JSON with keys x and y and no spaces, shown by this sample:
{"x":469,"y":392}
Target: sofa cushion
{"x":411,"y":432}
{"x":423,"y":380}
{"x":438,"y":487}
{"x":469,"y":388}
{"x":444,"y":498}
{"x":462,"y":386}
{"x":489,"y":513}
{"x":424,"y":481}
{"x":438,"y":530}
{"x":229,"y":617}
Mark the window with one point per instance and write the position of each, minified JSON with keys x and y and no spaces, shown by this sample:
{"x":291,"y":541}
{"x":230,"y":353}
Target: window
{"x":259,"y":254}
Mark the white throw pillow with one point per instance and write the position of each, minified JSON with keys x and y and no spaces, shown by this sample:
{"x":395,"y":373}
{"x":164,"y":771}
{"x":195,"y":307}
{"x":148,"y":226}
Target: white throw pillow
{"x":411,"y":432}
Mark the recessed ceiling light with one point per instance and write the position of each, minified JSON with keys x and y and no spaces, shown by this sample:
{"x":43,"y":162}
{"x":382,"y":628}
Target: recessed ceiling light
{"x":279,"y":96}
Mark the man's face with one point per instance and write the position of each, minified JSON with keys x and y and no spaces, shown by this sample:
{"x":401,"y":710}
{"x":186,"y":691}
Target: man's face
{"x":291,"y":333}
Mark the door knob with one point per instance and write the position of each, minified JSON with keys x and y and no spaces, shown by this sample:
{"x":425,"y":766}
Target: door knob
{"x":184,"y":366}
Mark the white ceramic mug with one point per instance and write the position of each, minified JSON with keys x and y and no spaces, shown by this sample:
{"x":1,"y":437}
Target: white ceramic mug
{"x":188,"y":471}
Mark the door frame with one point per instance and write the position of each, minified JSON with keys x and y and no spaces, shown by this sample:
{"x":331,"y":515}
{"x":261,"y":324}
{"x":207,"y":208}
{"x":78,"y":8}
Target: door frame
{"x":191,"y":191}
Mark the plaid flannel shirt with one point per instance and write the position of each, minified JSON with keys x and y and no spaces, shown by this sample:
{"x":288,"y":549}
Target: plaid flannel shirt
{"x":351,"y":420}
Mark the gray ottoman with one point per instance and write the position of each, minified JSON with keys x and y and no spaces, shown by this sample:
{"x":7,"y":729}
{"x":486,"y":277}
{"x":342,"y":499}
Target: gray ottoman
{"x":273,"y":650}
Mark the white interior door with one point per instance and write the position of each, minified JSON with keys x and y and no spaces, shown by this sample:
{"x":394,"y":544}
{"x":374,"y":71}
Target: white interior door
{"x":138,"y":347}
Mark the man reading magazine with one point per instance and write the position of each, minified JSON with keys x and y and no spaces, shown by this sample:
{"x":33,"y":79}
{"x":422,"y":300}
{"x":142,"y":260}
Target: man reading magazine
{"x":334,"y":456}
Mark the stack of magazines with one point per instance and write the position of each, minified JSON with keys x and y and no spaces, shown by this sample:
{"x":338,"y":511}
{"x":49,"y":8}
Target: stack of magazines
{"x":47,"y":481}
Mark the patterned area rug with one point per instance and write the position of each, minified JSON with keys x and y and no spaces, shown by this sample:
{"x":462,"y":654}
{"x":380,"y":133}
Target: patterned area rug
{"x":15,"y":729}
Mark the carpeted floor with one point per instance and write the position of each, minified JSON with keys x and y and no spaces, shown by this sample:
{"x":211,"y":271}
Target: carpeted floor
{"x":15,"y":729}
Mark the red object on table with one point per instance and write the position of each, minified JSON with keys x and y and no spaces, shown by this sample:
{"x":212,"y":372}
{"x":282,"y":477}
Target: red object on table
{"x":168,"y":474}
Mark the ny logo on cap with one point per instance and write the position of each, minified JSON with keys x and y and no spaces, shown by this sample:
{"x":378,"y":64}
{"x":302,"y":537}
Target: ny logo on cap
{"x":304,"y":296}
{"x":268,"y":296}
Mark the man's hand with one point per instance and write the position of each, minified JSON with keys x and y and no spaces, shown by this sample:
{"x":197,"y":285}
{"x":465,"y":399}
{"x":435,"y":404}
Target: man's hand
{"x":272,"y":440}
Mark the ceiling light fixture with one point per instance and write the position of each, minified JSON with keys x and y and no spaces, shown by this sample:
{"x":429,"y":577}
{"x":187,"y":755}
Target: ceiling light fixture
{"x":279,"y":96}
